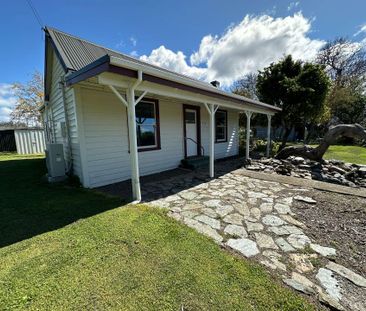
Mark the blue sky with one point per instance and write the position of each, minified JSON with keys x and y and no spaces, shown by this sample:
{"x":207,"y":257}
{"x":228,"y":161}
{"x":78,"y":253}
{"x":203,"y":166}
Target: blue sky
{"x":205,"y":39}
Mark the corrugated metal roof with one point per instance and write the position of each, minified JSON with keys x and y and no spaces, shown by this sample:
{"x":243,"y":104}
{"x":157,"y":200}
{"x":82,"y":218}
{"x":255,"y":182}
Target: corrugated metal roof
{"x":77,"y":53}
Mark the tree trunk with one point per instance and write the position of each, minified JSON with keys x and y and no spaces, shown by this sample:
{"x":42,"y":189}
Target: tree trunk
{"x":316,"y":154}
{"x":285,"y":136}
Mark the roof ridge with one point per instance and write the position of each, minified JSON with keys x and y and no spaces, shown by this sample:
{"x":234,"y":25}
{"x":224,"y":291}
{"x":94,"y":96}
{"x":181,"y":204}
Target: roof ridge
{"x":126,"y":55}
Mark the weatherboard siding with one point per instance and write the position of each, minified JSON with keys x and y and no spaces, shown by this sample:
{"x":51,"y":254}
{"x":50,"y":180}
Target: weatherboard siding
{"x":105,"y":138}
{"x":58,"y":115}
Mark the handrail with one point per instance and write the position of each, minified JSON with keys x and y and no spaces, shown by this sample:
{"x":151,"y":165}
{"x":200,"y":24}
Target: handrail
{"x":203,"y":149}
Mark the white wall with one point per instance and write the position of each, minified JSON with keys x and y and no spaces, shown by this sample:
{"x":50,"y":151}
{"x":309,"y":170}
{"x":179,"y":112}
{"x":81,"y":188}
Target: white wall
{"x":105,"y":138}
{"x":56,"y":112}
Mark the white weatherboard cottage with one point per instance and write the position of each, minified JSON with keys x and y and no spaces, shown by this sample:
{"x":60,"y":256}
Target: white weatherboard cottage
{"x":119,"y":118}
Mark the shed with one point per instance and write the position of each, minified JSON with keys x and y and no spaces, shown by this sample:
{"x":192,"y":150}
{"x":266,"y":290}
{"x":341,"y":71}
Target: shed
{"x":22,"y":140}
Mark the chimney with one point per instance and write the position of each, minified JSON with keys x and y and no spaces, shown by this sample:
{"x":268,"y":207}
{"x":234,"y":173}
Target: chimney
{"x":215,"y":83}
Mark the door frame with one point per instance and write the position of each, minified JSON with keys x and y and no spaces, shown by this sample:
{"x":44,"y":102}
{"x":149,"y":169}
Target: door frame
{"x":198,"y":125}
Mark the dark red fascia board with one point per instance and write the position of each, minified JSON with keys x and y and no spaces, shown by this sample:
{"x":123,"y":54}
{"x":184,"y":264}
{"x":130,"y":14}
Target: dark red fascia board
{"x":103,"y":65}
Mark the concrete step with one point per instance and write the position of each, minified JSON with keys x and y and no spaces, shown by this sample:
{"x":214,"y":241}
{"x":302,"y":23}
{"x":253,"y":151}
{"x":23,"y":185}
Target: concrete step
{"x":195,"y":162}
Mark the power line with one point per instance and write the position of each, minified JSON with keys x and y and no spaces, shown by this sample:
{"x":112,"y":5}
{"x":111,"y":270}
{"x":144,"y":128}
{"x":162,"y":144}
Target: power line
{"x":35,"y":13}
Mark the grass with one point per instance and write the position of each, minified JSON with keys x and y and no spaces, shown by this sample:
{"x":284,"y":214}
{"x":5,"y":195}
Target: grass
{"x":72,"y":249}
{"x":351,"y":154}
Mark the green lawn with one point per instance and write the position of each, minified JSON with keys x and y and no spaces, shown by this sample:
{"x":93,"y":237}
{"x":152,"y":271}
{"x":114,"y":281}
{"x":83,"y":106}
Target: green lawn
{"x":65,"y":248}
{"x":352,"y":154}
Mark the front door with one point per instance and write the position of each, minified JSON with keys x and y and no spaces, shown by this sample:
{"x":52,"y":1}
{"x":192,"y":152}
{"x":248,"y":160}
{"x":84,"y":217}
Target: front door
{"x":191,"y":130}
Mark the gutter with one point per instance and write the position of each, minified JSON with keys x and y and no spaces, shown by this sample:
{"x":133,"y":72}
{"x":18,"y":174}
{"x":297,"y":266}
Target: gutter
{"x":153,"y":74}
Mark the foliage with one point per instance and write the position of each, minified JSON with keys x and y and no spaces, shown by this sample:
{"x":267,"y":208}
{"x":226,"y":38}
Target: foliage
{"x":345,"y":63}
{"x":346,"y":105}
{"x":260,"y":146}
{"x":81,"y":253}
{"x":29,"y":98}
{"x":298,"y":88}
{"x":246,"y":86}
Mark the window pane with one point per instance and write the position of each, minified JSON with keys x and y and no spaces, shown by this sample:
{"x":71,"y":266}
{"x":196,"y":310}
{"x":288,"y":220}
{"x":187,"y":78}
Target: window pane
{"x":146,"y":124}
{"x":221,"y":122}
{"x":145,"y":113}
{"x":220,"y":133}
{"x":220,"y":118}
{"x":190,"y":117}
{"x":146,"y":135}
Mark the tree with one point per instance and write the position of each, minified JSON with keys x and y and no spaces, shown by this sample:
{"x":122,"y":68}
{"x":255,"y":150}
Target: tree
{"x":29,"y":98}
{"x":346,"y":105}
{"x":298,"y":88}
{"x":317,"y":153}
{"x":246,"y":86}
{"x":345,"y":62}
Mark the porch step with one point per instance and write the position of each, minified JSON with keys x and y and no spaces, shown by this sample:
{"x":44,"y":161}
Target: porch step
{"x":195,"y":162}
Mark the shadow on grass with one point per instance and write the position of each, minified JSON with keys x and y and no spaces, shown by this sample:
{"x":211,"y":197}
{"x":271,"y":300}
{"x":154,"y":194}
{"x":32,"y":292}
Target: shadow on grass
{"x":30,"y":206}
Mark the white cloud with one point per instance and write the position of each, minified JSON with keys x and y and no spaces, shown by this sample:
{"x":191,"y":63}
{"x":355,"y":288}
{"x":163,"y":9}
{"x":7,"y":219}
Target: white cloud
{"x":173,"y":61}
{"x":7,"y":101}
{"x":133,"y":41}
{"x":134,"y":53}
{"x":361,"y":30}
{"x":245,"y":47}
{"x":293,"y":5}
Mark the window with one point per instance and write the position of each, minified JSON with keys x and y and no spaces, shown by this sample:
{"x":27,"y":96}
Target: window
{"x":147,"y":125}
{"x":221,"y":126}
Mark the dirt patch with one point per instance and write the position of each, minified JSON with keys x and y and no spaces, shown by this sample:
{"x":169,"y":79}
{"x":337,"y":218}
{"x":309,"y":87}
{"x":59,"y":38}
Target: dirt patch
{"x":340,"y":221}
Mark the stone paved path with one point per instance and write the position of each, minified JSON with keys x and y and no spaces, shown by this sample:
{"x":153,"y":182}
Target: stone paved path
{"x":254,"y":218}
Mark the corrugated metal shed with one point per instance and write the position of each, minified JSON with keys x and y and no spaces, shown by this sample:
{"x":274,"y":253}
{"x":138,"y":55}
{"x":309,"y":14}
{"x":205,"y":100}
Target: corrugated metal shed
{"x":29,"y":141}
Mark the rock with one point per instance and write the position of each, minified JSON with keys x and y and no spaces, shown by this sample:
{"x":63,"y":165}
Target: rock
{"x":300,"y":283}
{"x":322,"y":250}
{"x":362,"y":171}
{"x":278,"y":230}
{"x":191,"y":206}
{"x":271,"y":220}
{"x":244,"y":246}
{"x":302,"y":262}
{"x":235,"y":219}
{"x":347,"y":273}
{"x":298,"y":240}
{"x":189,"y":195}
{"x":242,"y":209}
{"x":337,"y":169}
{"x":305,"y":199}
{"x":266,"y":207}
{"x":209,"y":212}
{"x":212,"y":203}
{"x":204,"y":229}
{"x":282,"y":208}
{"x":224,"y":210}
{"x":298,"y":160}
{"x":329,"y":283}
{"x":265,"y":241}
{"x":237,"y":231}
{"x":284,"y":245}
{"x":213,"y":223}
{"x":293,"y":221}
{"x":326,"y":299}
{"x":255,"y":213}
{"x":254,"y":226}
{"x":256,"y":195}
{"x":253,"y":168}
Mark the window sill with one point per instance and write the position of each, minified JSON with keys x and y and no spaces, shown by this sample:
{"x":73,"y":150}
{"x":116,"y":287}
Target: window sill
{"x":149,"y":149}
{"x":220,"y":141}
